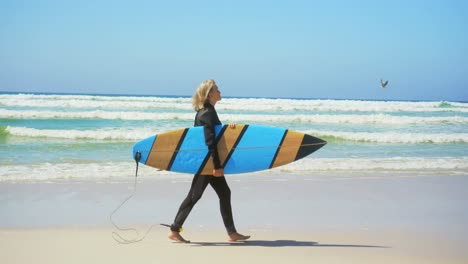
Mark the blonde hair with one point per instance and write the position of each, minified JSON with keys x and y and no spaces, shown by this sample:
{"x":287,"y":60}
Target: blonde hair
{"x":201,"y":95}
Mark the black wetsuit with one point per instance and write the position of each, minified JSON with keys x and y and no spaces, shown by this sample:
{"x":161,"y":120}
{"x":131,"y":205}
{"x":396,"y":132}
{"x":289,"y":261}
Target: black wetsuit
{"x":208,"y":118}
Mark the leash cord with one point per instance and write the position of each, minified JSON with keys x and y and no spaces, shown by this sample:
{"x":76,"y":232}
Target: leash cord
{"x":115,"y":235}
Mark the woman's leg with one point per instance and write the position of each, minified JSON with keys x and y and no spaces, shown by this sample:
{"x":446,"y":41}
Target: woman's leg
{"x":199,"y":184}
{"x":221,"y":188}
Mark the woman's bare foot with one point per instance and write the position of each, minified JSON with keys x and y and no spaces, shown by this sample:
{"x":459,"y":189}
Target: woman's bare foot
{"x":173,"y":235}
{"x":237,"y":237}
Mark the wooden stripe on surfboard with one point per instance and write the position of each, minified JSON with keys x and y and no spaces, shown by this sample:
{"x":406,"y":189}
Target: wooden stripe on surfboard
{"x":233,"y":147}
{"x":227,"y":143}
{"x":171,"y":143}
{"x":288,"y":149}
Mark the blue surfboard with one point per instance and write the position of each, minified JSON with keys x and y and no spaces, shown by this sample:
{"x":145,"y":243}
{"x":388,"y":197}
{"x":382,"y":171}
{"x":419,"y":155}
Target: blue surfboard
{"x":245,"y":148}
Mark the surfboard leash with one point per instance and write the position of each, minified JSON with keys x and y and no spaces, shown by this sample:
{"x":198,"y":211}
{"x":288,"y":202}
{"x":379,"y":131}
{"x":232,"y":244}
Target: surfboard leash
{"x":115,"y":235}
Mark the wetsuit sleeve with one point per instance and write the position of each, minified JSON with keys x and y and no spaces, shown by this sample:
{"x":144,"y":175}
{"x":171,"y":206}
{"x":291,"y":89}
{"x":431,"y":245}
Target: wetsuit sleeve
{"x":210,"y":120}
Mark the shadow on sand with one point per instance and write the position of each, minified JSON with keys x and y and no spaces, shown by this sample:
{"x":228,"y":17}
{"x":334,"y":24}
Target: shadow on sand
{"x":278,"y":243}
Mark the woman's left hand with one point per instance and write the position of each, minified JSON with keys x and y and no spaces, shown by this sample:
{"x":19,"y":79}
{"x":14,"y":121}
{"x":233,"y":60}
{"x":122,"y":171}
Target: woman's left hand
{"x":232,"y":125}
{"x":218,"y":172}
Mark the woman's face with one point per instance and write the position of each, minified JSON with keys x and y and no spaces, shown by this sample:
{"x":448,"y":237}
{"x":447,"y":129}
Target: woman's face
{"x":215,"y":94}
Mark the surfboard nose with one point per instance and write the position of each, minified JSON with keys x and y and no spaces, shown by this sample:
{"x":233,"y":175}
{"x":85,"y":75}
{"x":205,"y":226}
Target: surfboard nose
{"x":143,"y":147}
{"x":309,"y":144}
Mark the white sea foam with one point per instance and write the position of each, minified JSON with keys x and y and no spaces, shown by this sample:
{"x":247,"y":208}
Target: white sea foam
{"x":106,"y":171}
{"x":377,"y":164}
{"x":392,"y":137}
{"x":98,"y":134}
{"x":79,"y":171}
{"x":130,"y":103}
{"x":346,"y":119}
{"x":100,"y":103}
{"x":250,"y":118}
{"x":96,"y":114}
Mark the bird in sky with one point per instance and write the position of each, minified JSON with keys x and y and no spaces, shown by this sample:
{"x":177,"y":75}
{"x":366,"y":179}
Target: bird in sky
{"x":383,"y":83}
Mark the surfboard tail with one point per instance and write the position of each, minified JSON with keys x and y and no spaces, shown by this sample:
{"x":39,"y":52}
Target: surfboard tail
{"x":309,"y":145}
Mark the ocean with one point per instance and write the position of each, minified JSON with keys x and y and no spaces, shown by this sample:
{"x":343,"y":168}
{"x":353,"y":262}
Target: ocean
{"x":61,"y":137}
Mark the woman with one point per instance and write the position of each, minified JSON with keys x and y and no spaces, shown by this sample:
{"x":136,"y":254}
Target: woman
{"x":203,"y":101}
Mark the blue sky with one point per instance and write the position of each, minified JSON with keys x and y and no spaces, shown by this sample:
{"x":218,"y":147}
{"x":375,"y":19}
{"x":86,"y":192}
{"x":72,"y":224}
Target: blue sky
{"x":303,"y":49}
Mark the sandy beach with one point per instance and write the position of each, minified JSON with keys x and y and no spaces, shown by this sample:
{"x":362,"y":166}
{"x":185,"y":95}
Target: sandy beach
{"x":88,"y":245}
{"x":296,"y":218}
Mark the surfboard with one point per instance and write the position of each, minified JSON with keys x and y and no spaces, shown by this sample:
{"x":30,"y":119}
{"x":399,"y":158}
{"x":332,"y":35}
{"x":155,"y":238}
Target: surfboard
{"x":245,"y":148}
